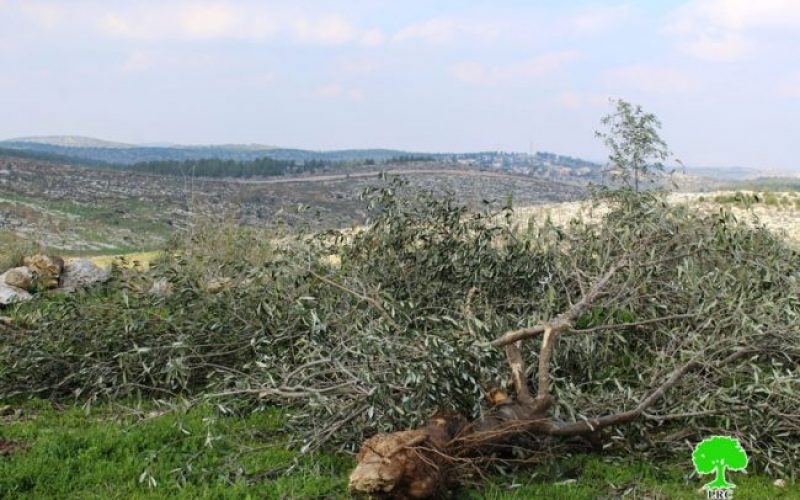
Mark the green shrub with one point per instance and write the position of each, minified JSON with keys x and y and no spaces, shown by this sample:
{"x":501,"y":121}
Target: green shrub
{"x":770,"y":199}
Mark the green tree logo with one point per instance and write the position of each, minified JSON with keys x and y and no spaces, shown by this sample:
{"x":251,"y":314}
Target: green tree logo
{"x":716,"y":454}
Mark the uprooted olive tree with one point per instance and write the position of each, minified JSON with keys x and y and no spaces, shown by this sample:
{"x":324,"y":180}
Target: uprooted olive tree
{"x":676,"y":323}
{"x":638,"y":284}
{"x":639,"y":328}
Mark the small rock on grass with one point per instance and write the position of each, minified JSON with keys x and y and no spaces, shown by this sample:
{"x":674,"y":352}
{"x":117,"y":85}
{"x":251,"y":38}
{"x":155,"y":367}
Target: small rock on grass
{"x":46,"y":268}
{"x":81,"y":273}
{"x":11,"y":295}
{"x":19,"y":277}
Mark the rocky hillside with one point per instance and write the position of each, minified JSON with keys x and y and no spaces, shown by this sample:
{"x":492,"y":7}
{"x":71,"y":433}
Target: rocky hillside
{"x":94,"y":210}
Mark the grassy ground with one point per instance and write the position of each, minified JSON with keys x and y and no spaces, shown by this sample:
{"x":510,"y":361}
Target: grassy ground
{"x":119,"y":453}
{"x":73,"y":228}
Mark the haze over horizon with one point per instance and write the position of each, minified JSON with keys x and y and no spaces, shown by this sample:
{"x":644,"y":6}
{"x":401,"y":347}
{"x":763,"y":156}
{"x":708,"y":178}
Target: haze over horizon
{"x":416,"y":76}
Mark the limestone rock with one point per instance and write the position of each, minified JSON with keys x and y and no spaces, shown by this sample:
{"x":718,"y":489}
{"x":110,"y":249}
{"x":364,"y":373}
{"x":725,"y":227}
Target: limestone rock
{"x":19,"y":277}
{"x":81,"y":273}
{"x":46,"y":268}
{"x":11,"y":294}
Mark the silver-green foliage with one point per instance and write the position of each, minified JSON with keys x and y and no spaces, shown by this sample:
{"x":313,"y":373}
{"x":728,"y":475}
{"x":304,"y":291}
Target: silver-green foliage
{"x":401,"y":327}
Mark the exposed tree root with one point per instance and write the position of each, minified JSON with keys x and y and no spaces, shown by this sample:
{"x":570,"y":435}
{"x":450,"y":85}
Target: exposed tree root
{"x":416,"y":463}
{"x":407,"y":464}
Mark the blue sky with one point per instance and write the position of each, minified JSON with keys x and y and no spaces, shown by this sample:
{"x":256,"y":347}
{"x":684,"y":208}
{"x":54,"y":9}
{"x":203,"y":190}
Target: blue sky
{"x":723,"y":75}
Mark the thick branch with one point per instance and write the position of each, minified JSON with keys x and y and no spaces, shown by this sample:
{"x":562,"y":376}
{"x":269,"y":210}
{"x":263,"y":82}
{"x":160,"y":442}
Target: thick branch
{"x":594,"y":424}
{"x":517,"y":365}
{"x":548,"y":342}
{"x":566,"y":320}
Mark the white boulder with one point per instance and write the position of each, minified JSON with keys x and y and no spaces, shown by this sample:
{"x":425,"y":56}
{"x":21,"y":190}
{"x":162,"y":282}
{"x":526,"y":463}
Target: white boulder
{"x":81,"y":273}
{"x":11,"y":294}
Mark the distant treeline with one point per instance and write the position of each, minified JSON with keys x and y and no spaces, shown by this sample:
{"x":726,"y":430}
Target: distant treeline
{"x":766,"y":184}
{"x":261,"y":167}
{"x":264,"y":166}
{"x":400,"y":159}
{"x":564,"y":160}
{"x":138,"y":154}
{"x":214,"y":167}
{"x":50,"y":157}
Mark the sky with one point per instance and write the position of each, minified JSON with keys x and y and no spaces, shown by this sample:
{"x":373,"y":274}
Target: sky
{"x":419,"y":75}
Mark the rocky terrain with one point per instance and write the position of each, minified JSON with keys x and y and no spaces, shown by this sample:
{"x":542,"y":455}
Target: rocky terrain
{"x":47,"y":272}
{"x":779,"y":212}
{"x":87,"y":210}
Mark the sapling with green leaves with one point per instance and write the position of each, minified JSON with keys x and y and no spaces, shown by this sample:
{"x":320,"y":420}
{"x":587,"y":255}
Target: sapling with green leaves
{"x":636,"y":150}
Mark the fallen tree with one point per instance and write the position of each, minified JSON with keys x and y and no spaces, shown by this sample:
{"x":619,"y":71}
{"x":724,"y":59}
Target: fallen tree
{"x":415,"y":463}
{"x":677,"y":323}
{"x":656,"y":249}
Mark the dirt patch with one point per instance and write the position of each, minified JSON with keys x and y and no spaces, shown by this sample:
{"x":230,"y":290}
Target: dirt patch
{"x":10,"y":447}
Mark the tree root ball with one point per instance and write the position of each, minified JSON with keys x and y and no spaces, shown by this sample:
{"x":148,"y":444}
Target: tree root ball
{"x":407,"y":464}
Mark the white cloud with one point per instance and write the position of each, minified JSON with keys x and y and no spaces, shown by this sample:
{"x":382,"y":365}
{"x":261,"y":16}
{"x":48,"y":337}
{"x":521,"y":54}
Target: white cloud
{"x":45,"y":14}
{"x":445,"y":30}
{"x":437,"y":30}
{"x":333,"y":30}
{"x":524,"y":26}
{"x":727,"y":46}
{"x":651,"y":79}
{"x":209,"y":21}
{"x":238,"y":21}
{"x":728,"y":30}
{"x":599,"y":19}
{"x":184,"y":21}
{"x":736,"y":14}
{"x":543,"y":65}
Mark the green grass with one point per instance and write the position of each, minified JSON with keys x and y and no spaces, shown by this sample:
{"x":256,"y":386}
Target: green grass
{"x":592,"y":476}
{"x":197,"y":455}
{"x":111,"y":453}
{"x":122,"y":226}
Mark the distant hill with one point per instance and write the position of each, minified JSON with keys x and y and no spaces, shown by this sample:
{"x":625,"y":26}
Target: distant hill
{"x":96,"y":150}
{"x":70,"y":141}
{"x":726,"y":173}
